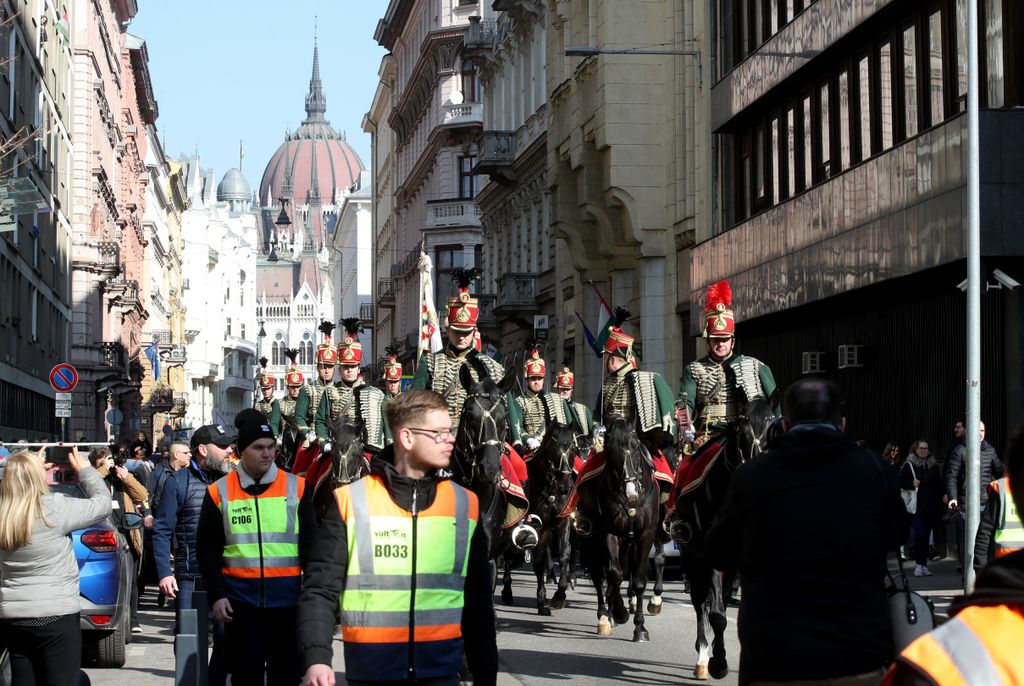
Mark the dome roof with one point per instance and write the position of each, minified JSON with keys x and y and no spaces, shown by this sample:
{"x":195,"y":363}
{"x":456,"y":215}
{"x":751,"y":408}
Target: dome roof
{"x":233,"y":187}
{"x":314,"y":163}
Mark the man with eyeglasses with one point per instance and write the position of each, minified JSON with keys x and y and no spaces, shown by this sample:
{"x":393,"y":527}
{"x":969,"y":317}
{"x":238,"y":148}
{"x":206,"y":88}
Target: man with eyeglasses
{"x":407,"y":528}
{"x":309,"y":399}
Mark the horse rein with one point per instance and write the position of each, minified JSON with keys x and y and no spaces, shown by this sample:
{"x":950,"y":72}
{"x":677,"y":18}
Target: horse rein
{"x":474,"y":448}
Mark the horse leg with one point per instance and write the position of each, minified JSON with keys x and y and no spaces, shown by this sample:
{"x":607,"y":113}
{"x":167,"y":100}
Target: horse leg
{"x":597,"y":576}
{"x":506,"y":582}
{"x":619,"y":611}
{"x":654,"y":607}
{"x":564,"y":561}
{"x":700,"y":589}
{"x":638,"y":583}
{"x":719,"y":665}
{"x":541,"y":557}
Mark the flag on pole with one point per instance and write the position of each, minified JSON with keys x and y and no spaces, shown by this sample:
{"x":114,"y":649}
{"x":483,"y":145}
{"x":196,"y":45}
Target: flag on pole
{"x":153,"y":353}
{"x":591,"y":341}
{"x":430,"y":332}
{"x":64,"y":26}
{"x":604,"y":319}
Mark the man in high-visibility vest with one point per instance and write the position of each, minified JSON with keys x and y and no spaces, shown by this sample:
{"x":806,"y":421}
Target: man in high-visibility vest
{"x":981,"y":642}
{"x":402,"y":557}
{"x":248,"y":551}
{"x":1000,"y":531}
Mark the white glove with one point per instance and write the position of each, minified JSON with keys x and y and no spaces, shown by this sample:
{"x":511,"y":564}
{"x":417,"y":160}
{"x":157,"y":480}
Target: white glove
{"x":532,"y":443}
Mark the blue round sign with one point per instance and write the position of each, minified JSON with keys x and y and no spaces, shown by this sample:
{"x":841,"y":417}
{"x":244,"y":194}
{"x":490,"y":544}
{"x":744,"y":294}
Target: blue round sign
{"x":63,"y":378}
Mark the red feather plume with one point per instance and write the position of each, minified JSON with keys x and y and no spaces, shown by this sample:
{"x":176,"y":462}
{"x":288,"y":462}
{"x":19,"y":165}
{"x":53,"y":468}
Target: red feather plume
{"x":719,"y":292}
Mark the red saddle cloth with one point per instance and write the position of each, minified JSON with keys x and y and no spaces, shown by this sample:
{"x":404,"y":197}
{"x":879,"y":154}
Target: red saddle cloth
{"x":305,"y":457}
{"x":593,"y":467}
{"x":693,"y":469}
{"x":513,"y":474}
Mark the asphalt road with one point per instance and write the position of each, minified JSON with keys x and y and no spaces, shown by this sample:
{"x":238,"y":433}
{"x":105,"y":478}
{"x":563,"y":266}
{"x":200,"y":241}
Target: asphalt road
{"x":534,"y":650}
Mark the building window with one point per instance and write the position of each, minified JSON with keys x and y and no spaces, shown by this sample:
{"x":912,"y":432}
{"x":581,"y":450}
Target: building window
{"x":775,"y":158}
{"x":447,"y":258}
{"x":467,"y":180}
{"x":992,"y":48}
{"x":790,"y":143}
{"x":909,"y":82}
{"x":864,"y":105}
{"x":961,"y":52}
{"x":885,"y":94}
{"x":824,"y":125}
{"x":844,"y":120}
{"x":936,"y":92}
{"x":470,"y":82}
{"x":808,"y":136}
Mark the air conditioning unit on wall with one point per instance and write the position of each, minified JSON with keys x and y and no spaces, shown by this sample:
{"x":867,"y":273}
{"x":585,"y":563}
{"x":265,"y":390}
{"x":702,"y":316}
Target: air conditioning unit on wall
{"x":811,"y":363}
{"x":849,"y":357}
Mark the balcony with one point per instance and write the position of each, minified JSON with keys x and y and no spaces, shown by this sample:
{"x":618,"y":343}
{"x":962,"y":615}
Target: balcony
{"x":162,"y":337}
{"x":174,"y":356}
{"x":463,"y":114}
{"x":231,"y":381}
{"x":497,"y":155}
{"x":442,"y":214}
{"x":214,"y":257}
{"x":366,"y":313}
{"x":161,"y":399}
{"x":517,"y":295}
{"x":481,"y":37}
{"x":386,"y":293}
{"x":113,"y":355}
{"x":180,"y":406}
{"x":236,"y":343}
{"x":487,"y":318}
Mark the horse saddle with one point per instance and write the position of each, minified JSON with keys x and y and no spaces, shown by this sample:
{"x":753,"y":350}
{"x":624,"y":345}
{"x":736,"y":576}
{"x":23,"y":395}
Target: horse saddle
{"x":695,"y":468}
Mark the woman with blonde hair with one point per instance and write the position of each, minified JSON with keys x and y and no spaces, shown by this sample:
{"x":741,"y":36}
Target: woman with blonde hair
{"x":39,"y":595}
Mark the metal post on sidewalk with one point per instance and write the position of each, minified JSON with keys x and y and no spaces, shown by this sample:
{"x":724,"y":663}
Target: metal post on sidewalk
{"x":200,"y":605}
{"x":186,"y":650}
{"x":972,"y":426}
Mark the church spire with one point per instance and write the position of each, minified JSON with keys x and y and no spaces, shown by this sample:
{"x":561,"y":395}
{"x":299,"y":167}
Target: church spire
{"x":316,"y":102}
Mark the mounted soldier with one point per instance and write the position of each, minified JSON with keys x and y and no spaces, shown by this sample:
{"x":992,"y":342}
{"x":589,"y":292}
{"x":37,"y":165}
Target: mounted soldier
{"x":291,"y":435}
{"x":715,"y":388}
{"x":309,"y":398}
{"x":392,"y":373}
{"x":643,"y":399}
{"x":352,"y":398}
{"x":581,"y":419}
{"x":538,"y":409}
{"x":267,"y":404}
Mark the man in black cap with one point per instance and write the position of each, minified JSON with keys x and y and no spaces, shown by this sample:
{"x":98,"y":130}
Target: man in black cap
{"x":177,"y":519}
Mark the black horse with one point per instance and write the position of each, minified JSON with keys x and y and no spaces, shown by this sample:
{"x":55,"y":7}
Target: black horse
{"x":288,"y":443}
{"x":342,"y":462}
{"x":694,"y":511}
{"x":622,"y":505}
{"x":551,"y":478}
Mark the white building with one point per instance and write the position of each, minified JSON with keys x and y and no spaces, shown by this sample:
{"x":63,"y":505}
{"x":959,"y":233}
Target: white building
{"x":352,"y":262}
{"x":220,"y":237}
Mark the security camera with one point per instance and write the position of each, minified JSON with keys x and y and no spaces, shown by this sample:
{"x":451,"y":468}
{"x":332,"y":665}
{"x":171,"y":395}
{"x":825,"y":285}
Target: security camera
{"x":102,"y":389}
{"x":962,"y":285}
{"x":1005,"y":279}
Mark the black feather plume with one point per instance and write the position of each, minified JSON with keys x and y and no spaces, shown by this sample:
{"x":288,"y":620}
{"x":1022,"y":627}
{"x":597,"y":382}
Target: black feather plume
{"x":464,"y":277}
{"x":292,"y":354}
{"x":619,"y":317}
{"x":390,"y":351}
{"x":263,"y":362}
{"x":352,"y":325}
{"x":326,"y":328}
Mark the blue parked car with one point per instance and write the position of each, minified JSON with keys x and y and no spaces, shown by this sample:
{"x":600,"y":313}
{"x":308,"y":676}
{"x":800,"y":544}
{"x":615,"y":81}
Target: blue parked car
{"x":105,"y":582}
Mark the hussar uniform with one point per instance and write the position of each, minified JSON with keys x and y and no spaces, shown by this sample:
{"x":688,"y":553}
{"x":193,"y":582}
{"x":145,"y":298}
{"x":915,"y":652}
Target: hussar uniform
{"x":392,"y":372}
{"x":309,"y":401}
{"x":359,"y":404}
{"x":580,"y":416}
{"x":271,"y":409}
{"x":538,"y":410}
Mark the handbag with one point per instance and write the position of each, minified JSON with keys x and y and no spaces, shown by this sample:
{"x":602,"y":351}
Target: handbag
{"x":909,"y":495}
{"x":910,"y":614}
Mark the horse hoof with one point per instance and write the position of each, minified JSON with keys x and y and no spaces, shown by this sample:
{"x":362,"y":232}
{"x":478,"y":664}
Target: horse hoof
{"x":719,"y":669}
{"x":544,"y":611}
{"x":506,"y":597}
{"x":632,"y":606}
{"x":620,"y":615}
{"x":701,"y":672}
{"x":558,"y":601}
{"x":654,"y":609}
{"x":604,"y":629}
{"x":641,"y":636}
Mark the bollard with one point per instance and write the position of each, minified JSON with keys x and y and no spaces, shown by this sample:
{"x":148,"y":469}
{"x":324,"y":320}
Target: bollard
{"x":186,"y":650}
{"x":202,"y":611}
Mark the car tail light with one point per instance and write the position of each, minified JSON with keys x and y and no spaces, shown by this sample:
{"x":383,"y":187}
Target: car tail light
{"x":100,"y":620}
{"x":100,"y":540}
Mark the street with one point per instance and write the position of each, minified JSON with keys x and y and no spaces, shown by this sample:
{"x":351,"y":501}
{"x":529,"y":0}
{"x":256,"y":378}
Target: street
{"x":536,"y":650}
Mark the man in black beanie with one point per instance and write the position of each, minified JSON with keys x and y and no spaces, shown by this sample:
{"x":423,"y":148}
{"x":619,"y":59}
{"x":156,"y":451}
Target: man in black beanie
{"x":248,"y":551}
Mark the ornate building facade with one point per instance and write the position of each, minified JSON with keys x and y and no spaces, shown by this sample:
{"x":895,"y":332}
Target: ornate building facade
{"x":429,"y":98}
{"x":301,"y":194}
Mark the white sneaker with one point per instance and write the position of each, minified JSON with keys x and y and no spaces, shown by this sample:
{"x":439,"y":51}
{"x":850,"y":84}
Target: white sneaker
{"x":921,"y":571}
{"x":925,"y":571}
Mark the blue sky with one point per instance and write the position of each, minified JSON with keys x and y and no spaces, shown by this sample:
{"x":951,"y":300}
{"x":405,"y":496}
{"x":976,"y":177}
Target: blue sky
{"x":230,"y":70}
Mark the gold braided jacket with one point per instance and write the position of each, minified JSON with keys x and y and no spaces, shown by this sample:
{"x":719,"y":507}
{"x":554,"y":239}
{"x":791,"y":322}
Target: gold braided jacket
{"x":539,"y":410}
{"x":717,"y":397}
{"x":444,"y":375}
{"x":359,"y":402}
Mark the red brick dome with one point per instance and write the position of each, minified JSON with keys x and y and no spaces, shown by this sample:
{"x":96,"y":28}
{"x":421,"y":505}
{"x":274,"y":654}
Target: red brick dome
{"x":315,"y":163}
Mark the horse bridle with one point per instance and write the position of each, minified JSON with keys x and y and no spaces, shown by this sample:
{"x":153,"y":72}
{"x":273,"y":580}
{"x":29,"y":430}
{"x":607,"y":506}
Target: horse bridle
{"x":758,"y":441}
{"x":482,"y":441}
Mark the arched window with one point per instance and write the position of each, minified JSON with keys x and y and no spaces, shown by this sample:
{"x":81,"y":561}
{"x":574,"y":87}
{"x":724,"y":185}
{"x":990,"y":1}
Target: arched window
{"x":306,"y":348}
{"x":470,"y":82}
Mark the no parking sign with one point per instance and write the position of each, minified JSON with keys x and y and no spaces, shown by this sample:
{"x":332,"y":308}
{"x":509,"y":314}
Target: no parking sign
{"x":63,"y":378}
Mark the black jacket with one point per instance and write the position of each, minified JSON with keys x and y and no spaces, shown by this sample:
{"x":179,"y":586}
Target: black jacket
{"x":176,"y":518}
{"x":956,"y":472}
{"x":930,"y":490}
{"x":810,"y":523}
{"x":326,"y":562}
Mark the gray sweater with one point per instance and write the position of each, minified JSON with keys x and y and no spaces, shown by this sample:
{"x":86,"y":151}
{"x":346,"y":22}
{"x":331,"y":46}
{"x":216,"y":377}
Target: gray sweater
{"x":41,"y":579}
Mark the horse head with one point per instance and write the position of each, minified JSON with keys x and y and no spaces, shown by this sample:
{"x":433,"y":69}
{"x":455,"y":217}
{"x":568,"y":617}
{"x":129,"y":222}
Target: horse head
{"x":345,"y":451}
{"x":556,"y":456}
{"x":483,"y":425}
{"x":626,"y":460}
{"x":753,"y":429}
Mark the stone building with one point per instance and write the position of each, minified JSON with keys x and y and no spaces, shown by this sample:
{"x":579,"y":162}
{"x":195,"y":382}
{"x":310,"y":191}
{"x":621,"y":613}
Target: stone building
{"x":301,"y":194}
{"x":839,"y":184}
{"x":429,"y":99}
{"x":35,"y":215}
{"x":113,"y":106}
{"x":351,"y":263}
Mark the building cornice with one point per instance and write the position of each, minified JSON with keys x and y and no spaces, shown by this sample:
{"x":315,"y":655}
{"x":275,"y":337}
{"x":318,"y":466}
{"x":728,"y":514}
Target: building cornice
{"x":391,"y":26}
{"x":437,"y":55}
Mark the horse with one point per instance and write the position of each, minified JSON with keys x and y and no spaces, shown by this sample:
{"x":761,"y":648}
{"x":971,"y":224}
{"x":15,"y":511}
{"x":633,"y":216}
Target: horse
{"x":622,"y":504}
{"x":551,"y":478}
{"x":743,"y":440}
{"x":288,"y":442}
{"x":340,"y":463}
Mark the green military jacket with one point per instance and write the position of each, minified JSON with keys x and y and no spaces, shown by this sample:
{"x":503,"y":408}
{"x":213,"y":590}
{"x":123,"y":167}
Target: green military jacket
{"x":308,"y":402}
{"x":644,"y":399}
{"x":361,"y":404}
{"x":712,"y":396}
{"x":581,"y":418}
{"x":536,"y":412}
{"x":271,"y":409}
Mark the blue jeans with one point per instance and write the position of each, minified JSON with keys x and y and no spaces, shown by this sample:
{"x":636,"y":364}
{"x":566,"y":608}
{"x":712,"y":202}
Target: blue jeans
{"x":922,"y":526}
{"x":218,"y":668}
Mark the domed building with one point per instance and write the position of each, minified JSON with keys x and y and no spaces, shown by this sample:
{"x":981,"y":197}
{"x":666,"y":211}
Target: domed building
{"x":307,"y":178}
{"x":234,"y":190}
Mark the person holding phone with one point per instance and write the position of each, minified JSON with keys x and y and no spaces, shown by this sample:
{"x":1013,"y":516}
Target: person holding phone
{"x":39,"y":591}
